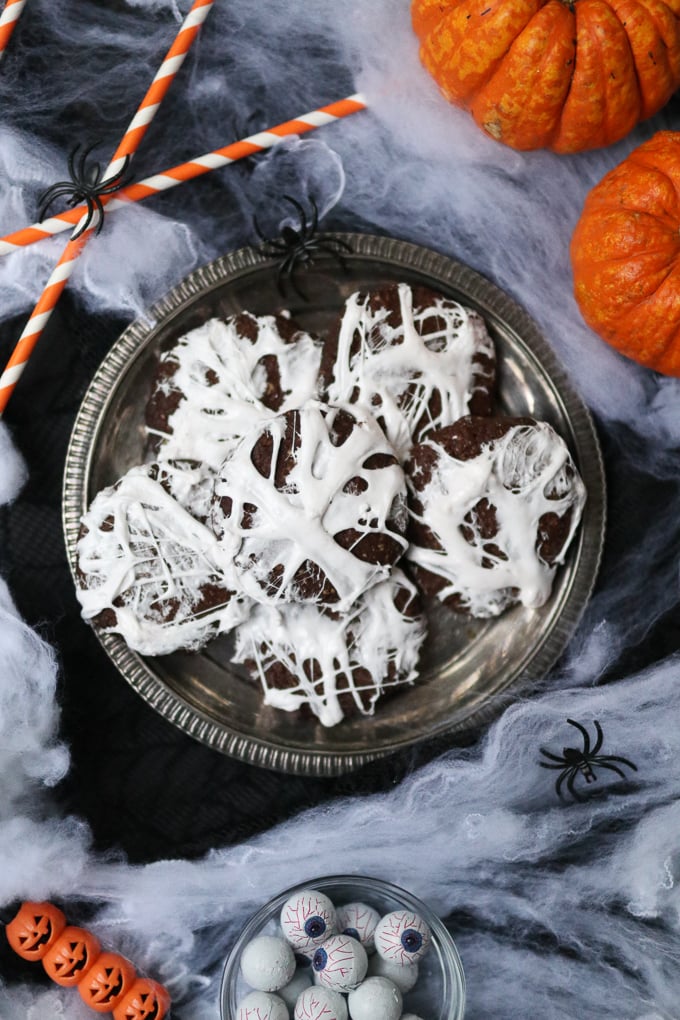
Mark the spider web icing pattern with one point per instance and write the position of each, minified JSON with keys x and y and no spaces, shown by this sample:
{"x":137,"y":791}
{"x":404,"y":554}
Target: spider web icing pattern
{"x":417,"y":375}
{"x":219,"y":375}
{"x":163,"y":573}
{"x":290,"y":527}
{"x":513,"y":474}
{"x":375,"y":637}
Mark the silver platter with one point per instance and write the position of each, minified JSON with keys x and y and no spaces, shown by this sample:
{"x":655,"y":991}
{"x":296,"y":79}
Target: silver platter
{"x":468,"y":665}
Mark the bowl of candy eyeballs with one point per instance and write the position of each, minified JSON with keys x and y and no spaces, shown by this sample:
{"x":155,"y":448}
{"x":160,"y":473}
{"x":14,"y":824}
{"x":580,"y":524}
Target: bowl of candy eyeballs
{"x":345,"y":947}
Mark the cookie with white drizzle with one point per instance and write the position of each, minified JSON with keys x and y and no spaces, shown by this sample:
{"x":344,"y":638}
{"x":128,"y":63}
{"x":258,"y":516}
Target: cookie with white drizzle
{"x":224,"y":377}
{"x":494,"y":504}
{"x":416,"y":359}
{"x":331,"y":665}
{"x":151,"y":572}
{"x":314,"y":501}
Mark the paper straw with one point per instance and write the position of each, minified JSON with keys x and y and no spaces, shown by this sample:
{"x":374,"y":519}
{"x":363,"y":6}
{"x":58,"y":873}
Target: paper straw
{"x":128,"y":146}
{"x":8,"y":20}
{"x":188,"y":171}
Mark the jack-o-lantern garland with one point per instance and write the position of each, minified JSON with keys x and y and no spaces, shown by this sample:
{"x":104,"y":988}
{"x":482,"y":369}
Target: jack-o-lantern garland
{"x":107,"y":982}
{"x":625,"y":254}
{"x":566,"y":75}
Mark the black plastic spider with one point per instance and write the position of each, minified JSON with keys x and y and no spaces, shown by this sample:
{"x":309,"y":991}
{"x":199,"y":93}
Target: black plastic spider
{"x":86,"y":186}
{"x":298,"y":246}
{"x":574,"y":761}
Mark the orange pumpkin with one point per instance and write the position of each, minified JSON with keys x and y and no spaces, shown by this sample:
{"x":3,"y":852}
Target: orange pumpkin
{"x":625,"y":255}
{"x":103,"y":986}
{"x":34,"y":929}
{"x":71,"y":956}
{"x":146,"y":1000}
{"x":566,"y":76}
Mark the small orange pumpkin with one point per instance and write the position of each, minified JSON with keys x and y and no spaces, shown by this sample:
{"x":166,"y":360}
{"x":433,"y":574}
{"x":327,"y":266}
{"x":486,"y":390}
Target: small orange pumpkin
{"x":625,"y":255}
{"x":34,"y":929}
{"x":146,"y":1000}
{"x":71,"y":956}
{"x":566,"y":75}
{"x":103,"y":986}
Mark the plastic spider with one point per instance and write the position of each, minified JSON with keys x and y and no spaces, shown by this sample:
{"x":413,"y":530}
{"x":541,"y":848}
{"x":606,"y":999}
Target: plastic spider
{"x":298,"y":246}
{"x":86,"y":186}
{"x":574,"y":761}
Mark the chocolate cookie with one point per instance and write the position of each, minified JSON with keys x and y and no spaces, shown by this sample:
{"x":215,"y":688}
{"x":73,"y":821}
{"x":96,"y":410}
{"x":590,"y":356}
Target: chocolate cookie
{"x":223,"y":378}
{"x":494,"y":504}
{"x":315,"y":501}
{"x":149,"y":571}
{"x":416,"y":359}
{"x":329,"y":665}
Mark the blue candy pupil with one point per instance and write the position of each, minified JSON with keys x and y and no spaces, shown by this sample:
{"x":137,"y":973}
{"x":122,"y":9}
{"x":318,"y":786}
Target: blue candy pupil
{"x":315,"y":926}
{"x":353,"y":933}
{"x":411,"y":940}
{"x":319,"y":959}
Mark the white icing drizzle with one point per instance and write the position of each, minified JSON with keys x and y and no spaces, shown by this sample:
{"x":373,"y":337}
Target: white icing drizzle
{"x":150,"y":552}
{"x":210,"y":419}
{"x":514,"y":473}
{"x":190,"y":483}
{"x":391,"y":359}
{"x":293,"y":526}
{"x":372,"y":635}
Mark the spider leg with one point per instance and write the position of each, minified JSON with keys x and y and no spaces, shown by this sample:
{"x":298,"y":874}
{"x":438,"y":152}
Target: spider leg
{"x":50,"y":196}
{"x":570,"y":784}
{"x":545,"y":765}
{"x":560,"y":779}
{"x":553,"y":757}
{"x":301,"y":212}
{"x":72,"y":162}
{"x":331,"y":242}
{"x":315,"y":217}
{"x":602,"y":759}
{"x":600,"y":737}
{"x":584,"y":732}
{"x":97,"y":202}
{"x":113,"y":182}
{"x":612,"y":768}
{"x":86,"y":222}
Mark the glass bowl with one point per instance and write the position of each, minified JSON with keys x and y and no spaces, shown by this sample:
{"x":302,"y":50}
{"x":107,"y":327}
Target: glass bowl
{"x":439,"y":993}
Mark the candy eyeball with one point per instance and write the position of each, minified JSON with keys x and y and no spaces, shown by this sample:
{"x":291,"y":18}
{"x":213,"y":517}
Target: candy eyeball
{"x":267,"y":963}
{"x":320,"y":1004}
{"x":402,"y":937}
{"x":340,"y":963}
{"x":403,"y":977}
{"x":375,"y":997}
{"x":360,"y":921}
{"x":291,"y":992}
{"x":262,"y":1006}
{"x":307,"y":919}
{"x":410,"y":1016}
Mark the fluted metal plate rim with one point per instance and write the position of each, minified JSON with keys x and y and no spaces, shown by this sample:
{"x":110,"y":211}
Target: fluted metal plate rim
{"x":440,"y":272}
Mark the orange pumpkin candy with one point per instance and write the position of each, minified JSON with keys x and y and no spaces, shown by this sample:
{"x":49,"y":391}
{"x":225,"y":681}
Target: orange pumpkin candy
{"x":71,"y":956}
{"x":35,"y":929}
{"x":625,"y":254}
{"x":103,"y":986}
{"x":566,"y":76}
{"x":146,"y":1000}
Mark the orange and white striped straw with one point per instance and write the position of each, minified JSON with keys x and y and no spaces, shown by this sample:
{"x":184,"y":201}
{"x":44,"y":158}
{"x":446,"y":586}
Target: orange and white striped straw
{"x":8,"y":21}
{"x":128,"y":146}
{"x":188,"y":171}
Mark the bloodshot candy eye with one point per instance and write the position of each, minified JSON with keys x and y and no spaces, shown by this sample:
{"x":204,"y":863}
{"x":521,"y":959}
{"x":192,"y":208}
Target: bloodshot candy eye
{"x":262,"y":1006}
{"x":360,"y":921}
{"x":320,"y":1004}
{"x":340,"y":963}
{"x":307,"y":919}
{"x":402,"y":937}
